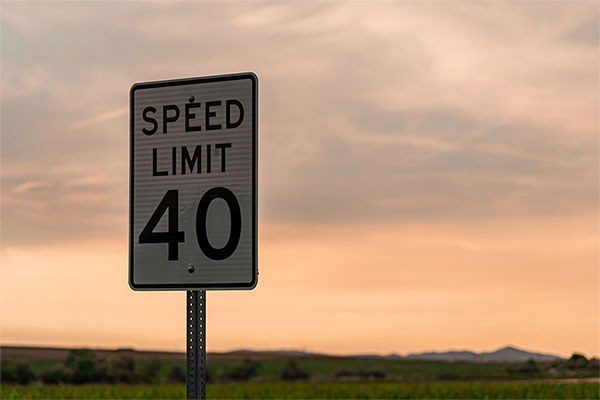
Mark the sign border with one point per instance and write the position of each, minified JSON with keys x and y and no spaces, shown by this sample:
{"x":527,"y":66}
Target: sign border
{"x":187,"y":81}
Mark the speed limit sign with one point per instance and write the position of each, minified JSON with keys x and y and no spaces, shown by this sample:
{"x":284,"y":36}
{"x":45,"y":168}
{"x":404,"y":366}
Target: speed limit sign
{"x":193,"y":183}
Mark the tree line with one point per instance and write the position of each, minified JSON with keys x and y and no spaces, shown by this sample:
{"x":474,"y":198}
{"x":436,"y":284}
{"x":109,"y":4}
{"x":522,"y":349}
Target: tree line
{"x":82,"y":366}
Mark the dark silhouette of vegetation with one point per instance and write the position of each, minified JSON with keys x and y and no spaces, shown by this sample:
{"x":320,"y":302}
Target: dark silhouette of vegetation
{"x":123,"y":370}
{"x":292,"y":372}
{"x":24,"y":374}
{"x":149,"y":371}
{"x":594,"y":365}
{"x":7,"y":373}
{"x":17,"y":373}
{"x":372,"y":374}
{"x":82,"y":365}
{"x":177,"y":374}
{"x":244,"y":371}
{"x":103,"y":372}
{"x":577,"y":364}
{"x":530,"y":367}
{"x":56,"y":375}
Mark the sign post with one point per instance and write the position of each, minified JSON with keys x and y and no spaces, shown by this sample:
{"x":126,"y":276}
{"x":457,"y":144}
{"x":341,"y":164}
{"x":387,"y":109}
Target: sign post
{"x":196,"y":344}
{"x":193,"y":195}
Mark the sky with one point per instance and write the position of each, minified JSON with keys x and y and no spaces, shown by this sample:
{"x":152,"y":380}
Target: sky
{"x":429,"y":173}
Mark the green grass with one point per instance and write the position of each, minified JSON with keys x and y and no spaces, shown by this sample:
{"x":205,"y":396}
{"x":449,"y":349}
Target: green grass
{"x":337,"y":390}
{"x":327,"y":368}
{"x":397,"y":369}
{"x":405,"y":370}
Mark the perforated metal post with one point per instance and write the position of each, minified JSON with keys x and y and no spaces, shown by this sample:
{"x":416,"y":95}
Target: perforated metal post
{"x":196,"y":344}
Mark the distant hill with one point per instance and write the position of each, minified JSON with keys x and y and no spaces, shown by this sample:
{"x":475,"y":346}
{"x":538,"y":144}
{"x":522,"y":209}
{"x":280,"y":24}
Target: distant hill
{"x":505,"y":354}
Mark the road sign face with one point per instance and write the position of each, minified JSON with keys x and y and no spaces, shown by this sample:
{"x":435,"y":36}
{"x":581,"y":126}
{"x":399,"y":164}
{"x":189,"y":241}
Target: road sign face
{"x":193,"y":183}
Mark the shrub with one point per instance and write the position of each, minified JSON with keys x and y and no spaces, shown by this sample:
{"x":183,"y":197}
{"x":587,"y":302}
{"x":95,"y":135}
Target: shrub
{"x":577,"y":361}
{"x":177,"y":374}
{"x":123,"y":370}
{"x":104,"y":372}
{"x":594,"y":364}
{"x":82,"y":365}
{"x":149,"y":371}
{"x":292,"y":372}
{"x":241,"y":372}
{"x":530,"y":367}
{"x":23,"y":374}
{"x":373,"y":374}
{"x":376,"y":374}
{"x":56,"y":375}
{"x":7,"y":373}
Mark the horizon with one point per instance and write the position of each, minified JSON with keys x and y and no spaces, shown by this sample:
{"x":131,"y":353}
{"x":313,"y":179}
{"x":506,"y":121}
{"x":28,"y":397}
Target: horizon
{"x":417,"y":189}
{"x":306,"y":351}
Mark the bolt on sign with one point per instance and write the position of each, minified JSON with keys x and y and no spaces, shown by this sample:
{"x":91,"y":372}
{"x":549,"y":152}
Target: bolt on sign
{"x":193,"y":183}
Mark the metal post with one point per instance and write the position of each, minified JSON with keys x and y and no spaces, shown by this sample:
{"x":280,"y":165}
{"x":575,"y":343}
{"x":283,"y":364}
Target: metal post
{"x":196,"y":344}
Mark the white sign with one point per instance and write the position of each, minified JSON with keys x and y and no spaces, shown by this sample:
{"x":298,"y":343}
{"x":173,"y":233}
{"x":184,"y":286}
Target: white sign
{"x":193,"y":183}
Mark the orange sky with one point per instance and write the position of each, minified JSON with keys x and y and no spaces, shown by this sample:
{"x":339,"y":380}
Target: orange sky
{"x":429,"y":173}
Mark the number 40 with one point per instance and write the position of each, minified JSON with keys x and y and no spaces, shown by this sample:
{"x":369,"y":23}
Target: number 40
{"x":170,"y":203}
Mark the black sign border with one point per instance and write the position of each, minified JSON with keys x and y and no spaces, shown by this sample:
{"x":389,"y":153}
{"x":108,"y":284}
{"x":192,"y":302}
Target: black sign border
{"x":190,"y":81}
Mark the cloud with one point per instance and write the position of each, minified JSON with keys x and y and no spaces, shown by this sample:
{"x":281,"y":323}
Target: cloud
{"x":391,"y":110}
{"x":31,"y":186}
{"x":102,"y":117}
{"x":587,"y":32}
{"x":51,"y":211}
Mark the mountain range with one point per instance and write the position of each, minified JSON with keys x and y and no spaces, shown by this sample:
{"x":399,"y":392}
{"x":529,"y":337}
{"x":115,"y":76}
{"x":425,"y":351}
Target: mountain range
{"x":505,"y":354}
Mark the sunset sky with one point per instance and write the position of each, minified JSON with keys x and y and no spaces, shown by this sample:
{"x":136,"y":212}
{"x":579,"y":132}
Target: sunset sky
{"x":428,"y":173}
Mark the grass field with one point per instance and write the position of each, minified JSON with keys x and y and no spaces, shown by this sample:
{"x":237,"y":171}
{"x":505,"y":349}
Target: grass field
{"x":409,"y":370}
{"x":326,"y":369}
{"x":323,"y":377}
{"x":337,"y":390}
